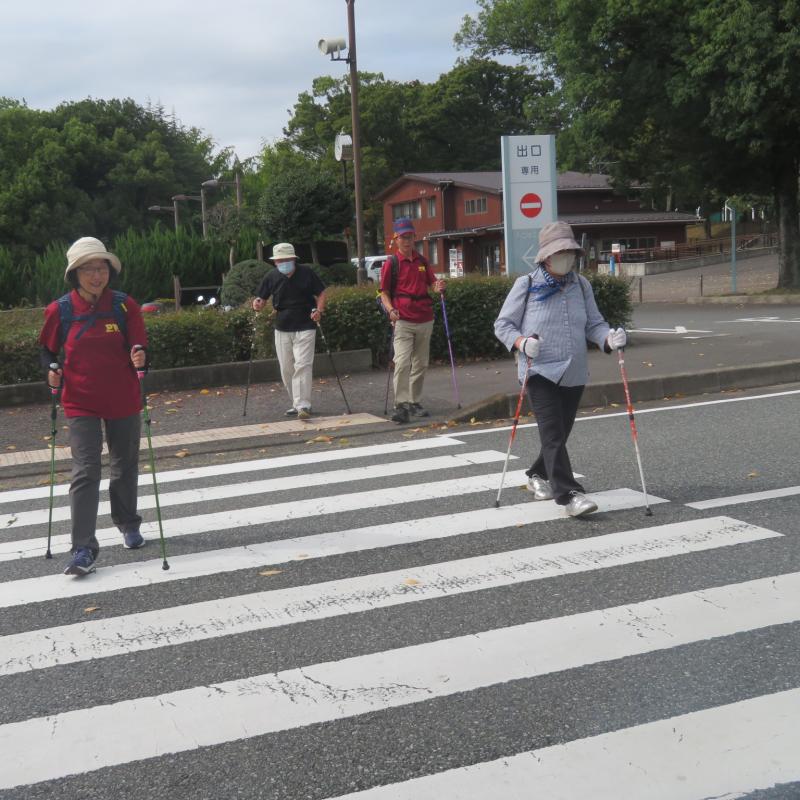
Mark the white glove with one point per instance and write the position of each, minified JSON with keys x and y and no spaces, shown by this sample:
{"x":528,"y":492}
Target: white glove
{"x":617,"y":339}
{"x":530,"y":347}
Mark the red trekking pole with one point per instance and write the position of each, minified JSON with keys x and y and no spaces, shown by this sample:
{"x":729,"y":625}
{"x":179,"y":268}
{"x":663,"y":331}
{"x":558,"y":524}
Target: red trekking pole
{"x":513,"y":430}
{"x":634,"y":434}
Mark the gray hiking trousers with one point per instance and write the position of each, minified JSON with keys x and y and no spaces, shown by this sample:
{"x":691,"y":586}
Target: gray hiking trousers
{"x":86,"y":443}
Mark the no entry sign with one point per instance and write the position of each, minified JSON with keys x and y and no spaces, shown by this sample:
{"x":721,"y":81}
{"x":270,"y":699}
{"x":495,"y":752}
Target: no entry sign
{"x":530,"y":205}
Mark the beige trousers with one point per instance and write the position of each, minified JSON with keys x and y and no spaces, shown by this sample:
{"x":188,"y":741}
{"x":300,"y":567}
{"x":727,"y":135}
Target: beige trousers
{"x":412,"y":348}
{"x":295,"y":351}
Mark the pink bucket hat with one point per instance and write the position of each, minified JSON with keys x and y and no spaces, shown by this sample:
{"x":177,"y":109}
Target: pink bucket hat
{"x":553,"y":238}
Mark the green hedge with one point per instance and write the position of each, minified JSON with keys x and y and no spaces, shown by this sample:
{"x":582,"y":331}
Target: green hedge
{"x":352,"y":321}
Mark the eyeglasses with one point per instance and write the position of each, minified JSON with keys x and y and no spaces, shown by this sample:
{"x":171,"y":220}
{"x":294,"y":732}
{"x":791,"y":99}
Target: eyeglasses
{"x":93,"y":270}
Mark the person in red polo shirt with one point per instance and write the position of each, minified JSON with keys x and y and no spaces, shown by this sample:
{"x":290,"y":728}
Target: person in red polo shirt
{"x":409,"y":306}
{"x":100,"y":388}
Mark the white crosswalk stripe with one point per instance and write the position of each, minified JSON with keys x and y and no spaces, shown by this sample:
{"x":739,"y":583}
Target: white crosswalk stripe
{"x":439,"y":600}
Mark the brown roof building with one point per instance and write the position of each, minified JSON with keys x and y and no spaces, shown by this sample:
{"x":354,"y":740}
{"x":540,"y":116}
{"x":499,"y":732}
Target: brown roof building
{"x":458,"y":218}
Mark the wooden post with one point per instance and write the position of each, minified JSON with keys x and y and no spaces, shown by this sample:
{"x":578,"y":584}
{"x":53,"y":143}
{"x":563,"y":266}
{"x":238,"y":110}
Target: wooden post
{"x":176,"y":289}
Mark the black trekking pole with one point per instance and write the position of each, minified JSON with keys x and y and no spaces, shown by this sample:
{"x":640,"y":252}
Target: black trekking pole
{"x":513,"y":430}
{"x":53,"y":410}
{"x":450,"y":348}
{"x":333,"y":364}
{"x":389,"y":369}
{"x":146,"y":413}
{"x":634,"y":433}
{"x":249,"y":368}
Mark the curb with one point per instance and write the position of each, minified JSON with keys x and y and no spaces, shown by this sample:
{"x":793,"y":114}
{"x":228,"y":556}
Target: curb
{"x":747,"y":300}
{"x":657,"y":387}
{"x":205,"y":375}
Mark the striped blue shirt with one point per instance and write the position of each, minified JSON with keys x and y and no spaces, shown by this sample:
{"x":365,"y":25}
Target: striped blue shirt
{"x":563,"y":322}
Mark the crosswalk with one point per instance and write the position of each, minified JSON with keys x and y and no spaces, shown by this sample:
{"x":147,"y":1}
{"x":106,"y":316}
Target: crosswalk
{"x":362,"y":622}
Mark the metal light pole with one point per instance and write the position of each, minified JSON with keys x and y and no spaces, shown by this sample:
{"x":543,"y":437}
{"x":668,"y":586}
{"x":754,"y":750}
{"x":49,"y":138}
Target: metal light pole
{"x":332,"y":47}
{"x":198,"y":198}
{"x":173,"y":209}
{"x":214,"y":183}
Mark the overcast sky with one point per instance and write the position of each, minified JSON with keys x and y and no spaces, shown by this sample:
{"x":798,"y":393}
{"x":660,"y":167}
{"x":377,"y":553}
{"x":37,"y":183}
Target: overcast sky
{"x":232,"y":68}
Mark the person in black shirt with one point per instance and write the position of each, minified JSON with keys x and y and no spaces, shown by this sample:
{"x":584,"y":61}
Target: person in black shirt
{"x":298,"y":297}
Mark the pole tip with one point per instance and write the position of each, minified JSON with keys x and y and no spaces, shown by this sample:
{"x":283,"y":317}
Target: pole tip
{"x":648,"y":512}
{"x":165,"y":566}
{"x":48,"y":554}
{"x":497,"y":504}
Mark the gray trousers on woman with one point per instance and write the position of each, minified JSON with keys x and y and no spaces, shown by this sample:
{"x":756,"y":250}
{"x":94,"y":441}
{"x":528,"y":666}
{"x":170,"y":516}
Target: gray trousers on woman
{"x":86,"y":443}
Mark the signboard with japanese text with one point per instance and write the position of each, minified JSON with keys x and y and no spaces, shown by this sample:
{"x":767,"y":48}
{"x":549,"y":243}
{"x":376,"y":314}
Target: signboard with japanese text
{"x":529,"y":196}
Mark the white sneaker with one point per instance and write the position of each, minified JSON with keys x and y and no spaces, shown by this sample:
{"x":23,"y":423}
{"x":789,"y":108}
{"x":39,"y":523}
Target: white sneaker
{"x":303,"y":413}
{"x":540,"y":488}
{"x":579,"y":505}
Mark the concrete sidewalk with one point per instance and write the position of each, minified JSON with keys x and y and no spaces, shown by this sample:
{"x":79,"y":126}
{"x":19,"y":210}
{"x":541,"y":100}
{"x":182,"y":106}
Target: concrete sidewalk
{"x":721,"y":349}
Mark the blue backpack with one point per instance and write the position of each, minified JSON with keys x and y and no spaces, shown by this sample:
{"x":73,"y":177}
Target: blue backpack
{"x":68,"y":316}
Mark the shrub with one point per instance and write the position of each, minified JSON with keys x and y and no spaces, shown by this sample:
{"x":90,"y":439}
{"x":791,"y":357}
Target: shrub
{"x":339,"y":274}
{"x":613,"y":299}
{"x":352,"y":321}
{"x":242,"y":281}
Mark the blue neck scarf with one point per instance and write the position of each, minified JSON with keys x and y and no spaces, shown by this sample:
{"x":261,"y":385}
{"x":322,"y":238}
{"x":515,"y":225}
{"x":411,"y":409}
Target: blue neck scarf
{"x":551,"y":286}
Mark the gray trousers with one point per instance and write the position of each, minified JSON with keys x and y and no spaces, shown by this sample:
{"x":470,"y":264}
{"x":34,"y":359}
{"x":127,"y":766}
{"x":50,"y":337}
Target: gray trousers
{"x":86,"y":443}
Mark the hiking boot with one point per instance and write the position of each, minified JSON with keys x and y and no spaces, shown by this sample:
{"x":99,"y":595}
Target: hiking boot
{"x":132,"y":539}
{"x":416,"y":410}
{"x":540,"y":488}
{"x":290,"y":412}
{"x":401,"y":414}
{"x":304,"y":413}
{"x":81,"y":563}
{"x":579,"y":505}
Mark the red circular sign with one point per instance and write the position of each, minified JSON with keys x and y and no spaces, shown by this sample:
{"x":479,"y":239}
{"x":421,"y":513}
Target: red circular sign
{"x":530,"y":205}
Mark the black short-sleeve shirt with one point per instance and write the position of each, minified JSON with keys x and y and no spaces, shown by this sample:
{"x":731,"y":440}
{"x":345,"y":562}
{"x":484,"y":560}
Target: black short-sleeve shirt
{"x":293,"y":297}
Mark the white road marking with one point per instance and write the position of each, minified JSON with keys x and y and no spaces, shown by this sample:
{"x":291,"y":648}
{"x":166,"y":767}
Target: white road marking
{"x":14,"y":521}
{"x":751,"y":497}
{"x":261,"y":464}
{"x":194,"y":622}
{"x":723,"y":752}
{"x":276,"y":512}
{"x":212,"y":562}
{"x":640,"y":411}
{"x":44,"y":748}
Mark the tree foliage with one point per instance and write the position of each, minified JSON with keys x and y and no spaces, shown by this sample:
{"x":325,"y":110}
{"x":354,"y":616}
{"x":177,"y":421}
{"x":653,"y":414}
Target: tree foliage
{"x":92,"y":168}
{"x":701,"y":97}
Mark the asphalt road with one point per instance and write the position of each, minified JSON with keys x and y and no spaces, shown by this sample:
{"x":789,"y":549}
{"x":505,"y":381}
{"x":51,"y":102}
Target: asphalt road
{"x":363,"y":618}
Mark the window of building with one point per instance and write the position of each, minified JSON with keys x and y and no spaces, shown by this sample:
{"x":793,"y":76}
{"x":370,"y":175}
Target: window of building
{"x":412,"y":209}
{"x":475,"y":206}
{"x":433,"y":253}
{"x":431,"y":207}
{"x":420,"y":247}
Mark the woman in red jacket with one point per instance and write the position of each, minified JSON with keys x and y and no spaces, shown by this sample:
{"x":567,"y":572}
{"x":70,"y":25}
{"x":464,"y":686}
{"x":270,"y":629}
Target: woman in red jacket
{"x":97,"y":329}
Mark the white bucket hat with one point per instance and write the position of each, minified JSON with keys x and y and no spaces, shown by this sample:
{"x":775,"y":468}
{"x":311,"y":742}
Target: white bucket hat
{"x":553,"y":238}
{"x":86,"y":249}
{"x":283,"y":250}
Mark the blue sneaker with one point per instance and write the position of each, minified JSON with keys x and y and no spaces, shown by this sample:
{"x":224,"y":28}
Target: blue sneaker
{"x":81,"y":563}
{"x":132,"y":539}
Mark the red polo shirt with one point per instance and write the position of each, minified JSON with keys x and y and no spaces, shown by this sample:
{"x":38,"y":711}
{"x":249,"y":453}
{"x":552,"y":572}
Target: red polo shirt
{"x":411,"y":297}
{"x":99,"y":378}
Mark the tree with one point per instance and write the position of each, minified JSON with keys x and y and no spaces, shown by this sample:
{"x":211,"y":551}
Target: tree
{"x":305,"y":204}
{"x":698,"y":96}
{"x":92,"y":168}
{"x":450,"y":125}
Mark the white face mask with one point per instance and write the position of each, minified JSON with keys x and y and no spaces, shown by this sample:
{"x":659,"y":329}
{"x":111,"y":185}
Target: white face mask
{"x":285,"y":267}
{"x":562,"y":263}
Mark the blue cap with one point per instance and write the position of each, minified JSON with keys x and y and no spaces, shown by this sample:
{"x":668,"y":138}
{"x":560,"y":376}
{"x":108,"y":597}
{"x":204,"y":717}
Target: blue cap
{"x":403,"y":225}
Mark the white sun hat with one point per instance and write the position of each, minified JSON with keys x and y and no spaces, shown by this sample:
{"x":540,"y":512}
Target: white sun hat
{"x":86,"y":249}
{"x":283,"y":250}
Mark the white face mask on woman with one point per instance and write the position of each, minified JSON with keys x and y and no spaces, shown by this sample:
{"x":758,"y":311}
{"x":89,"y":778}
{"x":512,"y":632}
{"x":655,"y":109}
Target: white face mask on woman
{"x":285,"y":267}
{"x":561,"y":263}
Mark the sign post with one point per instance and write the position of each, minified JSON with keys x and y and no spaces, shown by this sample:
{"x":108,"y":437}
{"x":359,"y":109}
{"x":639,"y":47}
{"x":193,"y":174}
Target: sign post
{"x":529,"y":196}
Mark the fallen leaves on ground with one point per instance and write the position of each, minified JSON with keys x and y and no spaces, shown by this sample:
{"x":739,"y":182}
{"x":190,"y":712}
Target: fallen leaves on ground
{"x":89,"y":609}
{"x":11,"y":447}
{"x":753,"y":474}
{"x":647,"y":363}
{"x":411,"y":582}
{"x":269,"y":572}
{"x":344,"y":442}
{"x":320,"y":439}
{"x":181,"y":454}
{"x":205,"y":391}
